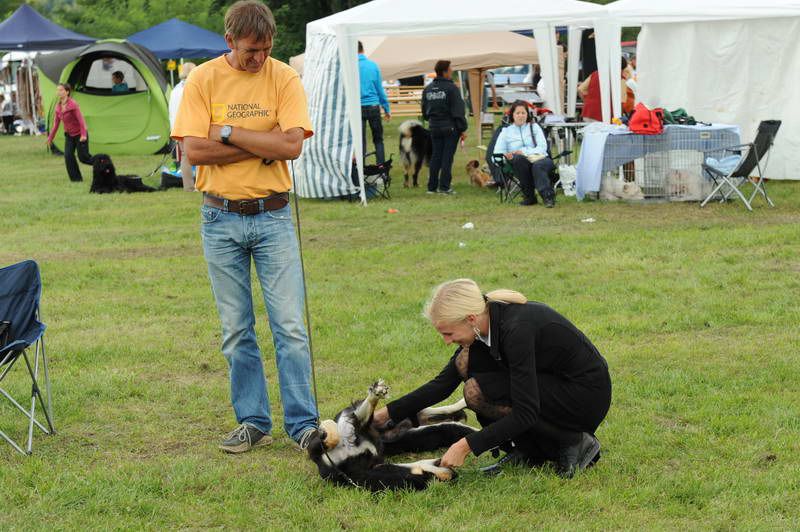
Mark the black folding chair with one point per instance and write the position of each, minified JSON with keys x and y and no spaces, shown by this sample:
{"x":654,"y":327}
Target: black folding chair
{"x":377,"y":177}
{"x":508,"y":187}
{"x":20,"y":329}
{"x":729,"y":183}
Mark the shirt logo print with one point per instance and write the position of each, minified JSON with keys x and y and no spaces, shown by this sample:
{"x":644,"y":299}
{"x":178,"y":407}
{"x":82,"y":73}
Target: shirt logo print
{"x":224,"y":112}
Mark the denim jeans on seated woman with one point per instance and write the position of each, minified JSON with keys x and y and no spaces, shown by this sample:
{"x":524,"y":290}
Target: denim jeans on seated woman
{"x":230,"y":243}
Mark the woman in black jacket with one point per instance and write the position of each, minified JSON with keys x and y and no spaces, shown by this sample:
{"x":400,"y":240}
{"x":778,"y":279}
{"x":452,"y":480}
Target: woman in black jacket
{"x":443,"y":108}
{"x":538,"y":386}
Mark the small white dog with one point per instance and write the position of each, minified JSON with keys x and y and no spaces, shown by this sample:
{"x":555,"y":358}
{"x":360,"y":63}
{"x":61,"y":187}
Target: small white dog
{"x":612,"y":189}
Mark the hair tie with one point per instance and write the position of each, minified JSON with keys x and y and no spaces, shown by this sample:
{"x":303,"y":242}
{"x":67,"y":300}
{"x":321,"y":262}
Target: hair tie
{"x":485,"y":299}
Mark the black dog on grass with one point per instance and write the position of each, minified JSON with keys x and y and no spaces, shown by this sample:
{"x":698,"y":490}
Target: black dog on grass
{"x":349,"y":451}
{"x":105,"y":178}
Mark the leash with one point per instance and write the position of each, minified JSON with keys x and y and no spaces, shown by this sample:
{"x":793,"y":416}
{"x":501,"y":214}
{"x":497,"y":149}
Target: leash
{"x":308,"y":325}
{"x":305,"y":294}
{"x":163,"y":160}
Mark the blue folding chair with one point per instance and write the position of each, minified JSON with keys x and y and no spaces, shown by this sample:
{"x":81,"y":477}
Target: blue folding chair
{"x":20,"y":329}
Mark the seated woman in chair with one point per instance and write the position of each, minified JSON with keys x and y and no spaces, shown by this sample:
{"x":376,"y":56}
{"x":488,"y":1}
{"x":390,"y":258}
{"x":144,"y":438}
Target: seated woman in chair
{"x":523,"y":143}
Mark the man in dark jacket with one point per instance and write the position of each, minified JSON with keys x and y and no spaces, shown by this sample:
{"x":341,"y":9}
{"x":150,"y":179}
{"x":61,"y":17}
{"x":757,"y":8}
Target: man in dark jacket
{"x":443,"y":108}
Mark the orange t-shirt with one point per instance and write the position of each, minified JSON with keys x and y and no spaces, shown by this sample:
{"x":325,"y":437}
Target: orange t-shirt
{"x":217,"y":93}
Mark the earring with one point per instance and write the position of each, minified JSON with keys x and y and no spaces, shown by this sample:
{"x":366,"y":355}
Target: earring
{"x":477,"y":333}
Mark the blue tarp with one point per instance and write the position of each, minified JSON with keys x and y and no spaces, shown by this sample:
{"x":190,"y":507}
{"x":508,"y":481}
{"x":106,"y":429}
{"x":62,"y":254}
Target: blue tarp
{"x":27,"y":30}
{"x":175,"y":38}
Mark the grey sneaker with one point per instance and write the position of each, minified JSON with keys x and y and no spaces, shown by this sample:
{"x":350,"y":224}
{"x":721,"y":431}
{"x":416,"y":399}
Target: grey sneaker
{"x":243,"y":438}
{"x":305,"y":438}
{"x":449,"y":192}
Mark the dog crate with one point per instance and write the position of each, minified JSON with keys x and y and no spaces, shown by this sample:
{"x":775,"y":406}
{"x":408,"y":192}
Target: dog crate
{"x":667,"y":166}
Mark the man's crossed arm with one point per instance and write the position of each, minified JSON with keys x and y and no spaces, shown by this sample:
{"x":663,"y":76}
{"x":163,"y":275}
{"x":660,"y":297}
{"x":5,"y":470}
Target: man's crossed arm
{"x":244,"y":144}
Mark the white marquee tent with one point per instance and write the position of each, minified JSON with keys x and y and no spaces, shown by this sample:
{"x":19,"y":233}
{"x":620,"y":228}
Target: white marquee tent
{"x":331,"y":69}
{"x":727,"y":61}
{"x":400,"y":57}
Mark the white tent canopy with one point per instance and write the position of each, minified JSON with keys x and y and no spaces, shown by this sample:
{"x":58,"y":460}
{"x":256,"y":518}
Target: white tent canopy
{"x":332,"y":82}
{"x":403,"y":56}
{"x":729,"y":61}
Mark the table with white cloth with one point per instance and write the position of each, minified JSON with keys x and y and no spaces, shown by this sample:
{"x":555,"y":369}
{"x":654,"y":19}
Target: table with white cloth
{"x":678,"y":152}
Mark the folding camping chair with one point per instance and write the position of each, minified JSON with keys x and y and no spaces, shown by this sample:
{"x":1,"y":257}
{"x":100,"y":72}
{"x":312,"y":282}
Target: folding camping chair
{"x":20,"y":289}
{"x":736,"y":175}
{"x":508,"y":187}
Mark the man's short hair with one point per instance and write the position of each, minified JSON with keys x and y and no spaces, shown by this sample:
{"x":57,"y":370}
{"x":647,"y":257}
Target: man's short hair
{"x":441,"y":67}
{"x":249,"y":18}
{"x":118,"y":75}
{"x":360,"y":47}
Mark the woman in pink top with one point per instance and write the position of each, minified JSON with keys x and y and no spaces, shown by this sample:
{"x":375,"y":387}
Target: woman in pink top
{"x":75,"y":134}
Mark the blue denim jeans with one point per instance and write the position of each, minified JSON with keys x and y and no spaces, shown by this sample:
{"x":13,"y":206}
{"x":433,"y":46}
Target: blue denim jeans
{"x":230,"y":242}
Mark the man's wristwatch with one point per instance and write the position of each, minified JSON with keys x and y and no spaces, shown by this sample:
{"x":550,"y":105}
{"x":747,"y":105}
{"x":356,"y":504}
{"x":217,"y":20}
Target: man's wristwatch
{"x":225,"y":134}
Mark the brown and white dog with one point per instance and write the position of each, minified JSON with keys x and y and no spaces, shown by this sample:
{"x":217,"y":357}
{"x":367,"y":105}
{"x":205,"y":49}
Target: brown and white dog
{"x":478,"y":177}
{"x":349,"y":451}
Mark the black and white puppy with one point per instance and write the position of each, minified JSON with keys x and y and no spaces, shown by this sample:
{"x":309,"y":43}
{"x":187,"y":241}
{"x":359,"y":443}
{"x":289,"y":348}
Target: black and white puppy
{"x":349,"y":451}
{"x":105,"y":178}
{"x":415,"y":149}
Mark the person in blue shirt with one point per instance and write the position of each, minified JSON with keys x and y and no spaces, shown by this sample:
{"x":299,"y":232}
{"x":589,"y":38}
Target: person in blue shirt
{"x":118,"y":79}
{"x":523,"y":143}
{"x":373,"y":97}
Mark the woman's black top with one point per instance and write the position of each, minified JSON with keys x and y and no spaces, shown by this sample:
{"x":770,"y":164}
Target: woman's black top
{"x":526,"y":339}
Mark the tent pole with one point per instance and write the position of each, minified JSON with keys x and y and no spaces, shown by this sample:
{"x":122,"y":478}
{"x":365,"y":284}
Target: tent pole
{"x":32,"y":97}
{"x":348,"y":54}
{"x":573,"y":61}
{"x":476,"y":97}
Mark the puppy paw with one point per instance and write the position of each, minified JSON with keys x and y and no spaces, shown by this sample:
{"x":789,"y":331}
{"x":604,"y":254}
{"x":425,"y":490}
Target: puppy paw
{"x":379,"y":389}
{"x":444,"y":474}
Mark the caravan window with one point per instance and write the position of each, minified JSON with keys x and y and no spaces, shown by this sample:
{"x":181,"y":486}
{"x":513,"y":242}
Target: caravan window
{"x":99,"y":76}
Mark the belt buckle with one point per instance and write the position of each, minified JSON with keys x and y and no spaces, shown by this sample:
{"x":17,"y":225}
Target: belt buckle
{"x":245,"y":207}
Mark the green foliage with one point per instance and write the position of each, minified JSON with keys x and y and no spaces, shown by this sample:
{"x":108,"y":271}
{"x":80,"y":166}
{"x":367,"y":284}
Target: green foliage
{"x":119,"y":18}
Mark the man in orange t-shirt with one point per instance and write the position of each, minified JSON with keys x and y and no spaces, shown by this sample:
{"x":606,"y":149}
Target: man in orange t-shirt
{"x":242,"y":116}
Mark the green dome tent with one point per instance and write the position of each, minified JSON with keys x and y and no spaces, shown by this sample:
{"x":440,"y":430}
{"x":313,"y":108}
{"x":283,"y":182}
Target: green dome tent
{"x":135,"y":122}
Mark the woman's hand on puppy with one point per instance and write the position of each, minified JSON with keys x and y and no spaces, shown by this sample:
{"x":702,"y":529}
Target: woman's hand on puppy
{"x":456,"y":454}
{"x":380,"y":417}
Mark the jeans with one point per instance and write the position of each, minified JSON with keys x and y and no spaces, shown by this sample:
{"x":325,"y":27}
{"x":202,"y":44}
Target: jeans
{"x":534,"y":176}
{"x":70,"y":145}
{"x":444,"y":143}
{"x":230,"y":242}
{"x":372,"y":115}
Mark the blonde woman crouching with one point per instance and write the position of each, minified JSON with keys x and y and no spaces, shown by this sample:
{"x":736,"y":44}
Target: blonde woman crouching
{"x":538,"y":386}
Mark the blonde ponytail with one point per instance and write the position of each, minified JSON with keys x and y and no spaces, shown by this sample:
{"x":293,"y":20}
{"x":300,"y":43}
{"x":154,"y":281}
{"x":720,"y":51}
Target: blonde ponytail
{"x":453,"y":301}
{"x":506,"y":296}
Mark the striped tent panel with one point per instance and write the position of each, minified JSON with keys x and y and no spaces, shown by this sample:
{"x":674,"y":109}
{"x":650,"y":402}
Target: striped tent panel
{"x":323,"y":169}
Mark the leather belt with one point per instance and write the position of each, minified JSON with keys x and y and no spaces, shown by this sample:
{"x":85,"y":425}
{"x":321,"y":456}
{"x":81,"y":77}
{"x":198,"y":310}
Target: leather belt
{"x":248,"y":206}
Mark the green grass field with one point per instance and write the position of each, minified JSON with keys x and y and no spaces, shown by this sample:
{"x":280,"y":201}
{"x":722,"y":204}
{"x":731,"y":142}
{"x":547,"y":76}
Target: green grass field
{"x":695,"y":310}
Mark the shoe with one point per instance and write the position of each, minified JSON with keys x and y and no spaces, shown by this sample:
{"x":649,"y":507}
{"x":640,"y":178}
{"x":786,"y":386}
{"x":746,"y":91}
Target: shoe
{"x":578,"y":457}
{"x":430,"y":192}
{"x":243,"y":438}
{"x":527,"y":202}
{"x":513,"y":458}
{"x":305,"y":438}
{"x":449,"y":192}
{"x":550,"y":203}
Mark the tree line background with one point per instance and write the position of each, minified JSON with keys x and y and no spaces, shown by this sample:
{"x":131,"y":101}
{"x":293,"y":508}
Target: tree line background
{"x":105,"y":19}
